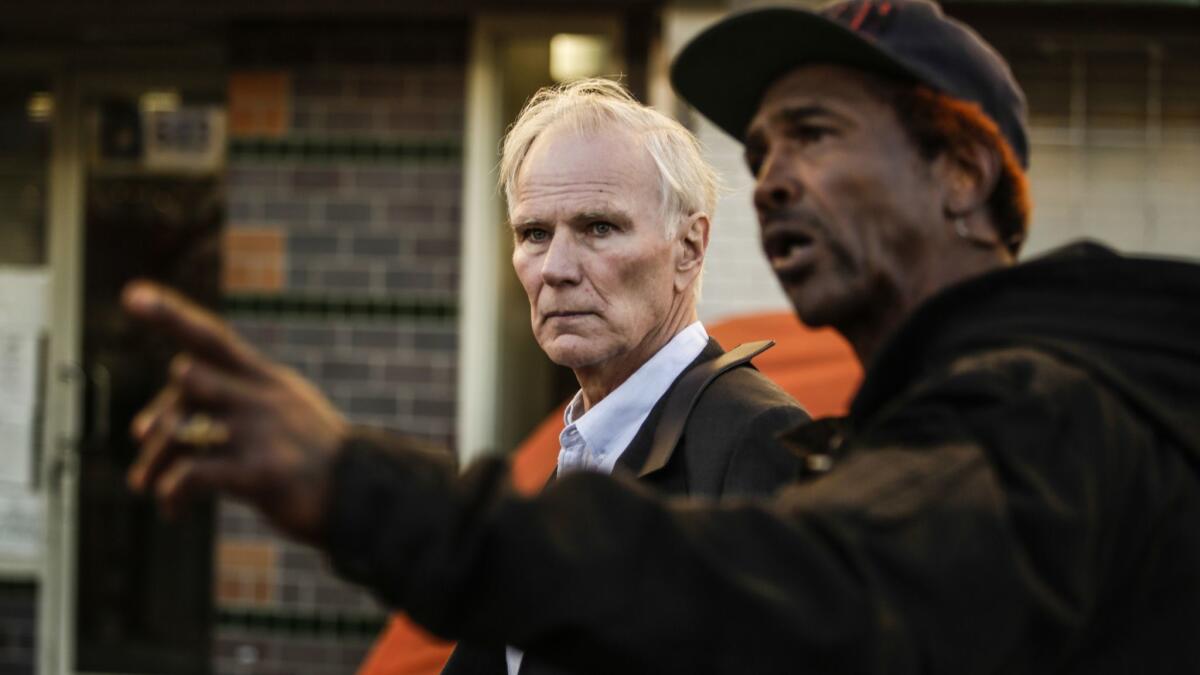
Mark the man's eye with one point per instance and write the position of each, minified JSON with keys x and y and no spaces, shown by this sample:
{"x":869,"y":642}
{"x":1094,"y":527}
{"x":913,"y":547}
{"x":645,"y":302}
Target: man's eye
{"x":601,"y":228}
{"x":534,"y":234}
{"x":755,"y":153}
{"x":807,"y":133}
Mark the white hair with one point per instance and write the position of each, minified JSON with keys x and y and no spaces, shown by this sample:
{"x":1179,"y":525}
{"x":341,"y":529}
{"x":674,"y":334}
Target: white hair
{"x":687,"y":182}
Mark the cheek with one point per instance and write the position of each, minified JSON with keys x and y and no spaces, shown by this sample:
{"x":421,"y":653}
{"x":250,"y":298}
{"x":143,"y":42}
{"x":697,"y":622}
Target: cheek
{"x":647,"y":285}
{"x":527,"y":274}
{"x":866,"y":213}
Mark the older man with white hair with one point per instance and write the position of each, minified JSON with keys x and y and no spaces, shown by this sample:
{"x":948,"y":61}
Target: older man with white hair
{"x":609,"y":204}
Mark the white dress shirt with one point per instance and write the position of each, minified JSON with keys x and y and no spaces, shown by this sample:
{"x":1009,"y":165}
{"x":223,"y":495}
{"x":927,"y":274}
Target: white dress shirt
{"x":594,"y":440}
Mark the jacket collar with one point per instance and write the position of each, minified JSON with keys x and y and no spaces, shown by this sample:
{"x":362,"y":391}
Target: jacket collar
{"x":1132,"y":323}
{"x":635,"y":454}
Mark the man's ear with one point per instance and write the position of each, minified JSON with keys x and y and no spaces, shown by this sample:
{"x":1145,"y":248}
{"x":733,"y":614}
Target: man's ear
{"x":691,"y":243}
{"x":969,"y":172}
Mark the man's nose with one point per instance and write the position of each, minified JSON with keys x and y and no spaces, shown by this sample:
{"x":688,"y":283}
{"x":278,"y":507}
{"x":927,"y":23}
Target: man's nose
{"x":560,"y":264}
{"x":777,"y":184}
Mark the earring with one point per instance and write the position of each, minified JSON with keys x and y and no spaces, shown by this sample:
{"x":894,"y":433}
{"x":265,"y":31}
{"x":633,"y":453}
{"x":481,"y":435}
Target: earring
{"x":1012,"y":243}
{"x":960,"y":228}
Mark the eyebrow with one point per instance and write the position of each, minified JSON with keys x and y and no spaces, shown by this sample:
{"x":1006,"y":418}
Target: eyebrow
{"x":794,"y":114}
{"x":525,"y":222}
{"x":802,"y":113}
{"x":599,"y":215}
{"x":616,"y":216}
{"x":790,"y":115}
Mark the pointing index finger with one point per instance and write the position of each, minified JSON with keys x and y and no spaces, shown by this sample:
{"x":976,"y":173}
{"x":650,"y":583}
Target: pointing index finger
{"x":197,"y":330}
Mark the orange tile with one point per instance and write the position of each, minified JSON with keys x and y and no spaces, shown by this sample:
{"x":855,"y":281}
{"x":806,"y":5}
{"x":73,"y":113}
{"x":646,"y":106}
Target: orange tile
{"x":253,"y":259}
{"x":247,"y":556}
{"x":261,"y":590}
{"x":271,"y":278}
{"x":259,"y":103}
{"x":235,"y":278}
{"x":246,"y":572}
{"x":259,"y":85}
{"x":229,"y":591}
{"x":266,"y":240}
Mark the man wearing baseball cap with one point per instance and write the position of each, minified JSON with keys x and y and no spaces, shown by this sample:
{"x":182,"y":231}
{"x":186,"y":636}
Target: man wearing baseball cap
{"x":1014,"y":490}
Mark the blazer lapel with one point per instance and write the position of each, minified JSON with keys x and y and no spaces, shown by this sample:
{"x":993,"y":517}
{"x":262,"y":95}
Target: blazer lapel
{"x":639,"y":448}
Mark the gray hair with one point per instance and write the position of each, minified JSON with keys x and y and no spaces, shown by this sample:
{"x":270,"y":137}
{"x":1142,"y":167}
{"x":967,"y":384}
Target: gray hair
{"x":688,"y":183}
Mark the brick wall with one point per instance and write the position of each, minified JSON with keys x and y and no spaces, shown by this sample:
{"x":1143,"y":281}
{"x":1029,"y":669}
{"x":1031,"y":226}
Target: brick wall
{"x":341,"y":260}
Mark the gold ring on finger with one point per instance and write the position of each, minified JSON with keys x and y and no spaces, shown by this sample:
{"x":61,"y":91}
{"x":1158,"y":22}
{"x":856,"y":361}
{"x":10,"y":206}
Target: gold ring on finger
{"x":202,"y":432}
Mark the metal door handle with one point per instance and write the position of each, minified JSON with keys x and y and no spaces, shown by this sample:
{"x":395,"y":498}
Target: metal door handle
{"x":101,"y":379}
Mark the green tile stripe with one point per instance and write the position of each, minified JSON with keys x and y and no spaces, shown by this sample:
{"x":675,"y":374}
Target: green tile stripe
{"x":283,"y":622}
{"x":335,"y":308}
{"x":352,"y":149}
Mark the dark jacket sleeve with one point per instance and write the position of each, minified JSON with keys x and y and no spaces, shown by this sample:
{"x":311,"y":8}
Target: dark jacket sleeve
{"x":920,"y":553}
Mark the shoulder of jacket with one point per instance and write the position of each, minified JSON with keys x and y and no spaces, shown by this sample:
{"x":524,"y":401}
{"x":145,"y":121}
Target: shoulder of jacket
{"x":748,"y":385}
{"x":742,"y":396}
{"x":1018,"y":369}
{"x":1001,"y":382}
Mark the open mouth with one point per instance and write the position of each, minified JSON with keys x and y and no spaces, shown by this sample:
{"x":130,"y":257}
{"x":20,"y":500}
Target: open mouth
{"x":788,"y":250}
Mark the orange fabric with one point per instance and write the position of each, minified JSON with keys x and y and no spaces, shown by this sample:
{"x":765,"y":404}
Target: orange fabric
{"x":816,"y":367}
{"x":404,"y":648}
{"x":537,"y":455}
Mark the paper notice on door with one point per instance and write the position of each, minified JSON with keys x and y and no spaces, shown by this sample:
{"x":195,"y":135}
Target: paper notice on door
{"x":16,"y":445}
{"x":18,"y":370}
{"x":23,"y":315}
{"x":24,"y":294}
{"x":18,"y":405}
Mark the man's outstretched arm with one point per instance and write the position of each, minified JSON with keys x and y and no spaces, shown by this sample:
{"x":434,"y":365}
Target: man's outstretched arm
{"x":870,"y":569}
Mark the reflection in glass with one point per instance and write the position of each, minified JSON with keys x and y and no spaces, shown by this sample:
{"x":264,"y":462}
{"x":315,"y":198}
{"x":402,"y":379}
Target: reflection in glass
{"x":26,"y":109}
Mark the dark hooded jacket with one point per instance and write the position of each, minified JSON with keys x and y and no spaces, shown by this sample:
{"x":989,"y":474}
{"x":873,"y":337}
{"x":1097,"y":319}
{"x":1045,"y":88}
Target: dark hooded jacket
{"x":1015,"y":490}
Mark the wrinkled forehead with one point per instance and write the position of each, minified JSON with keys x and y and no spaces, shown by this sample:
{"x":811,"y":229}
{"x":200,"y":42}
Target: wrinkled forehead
{"x":567,"y":139}
{"x":589,"y":169}
{"x":565,"y":152}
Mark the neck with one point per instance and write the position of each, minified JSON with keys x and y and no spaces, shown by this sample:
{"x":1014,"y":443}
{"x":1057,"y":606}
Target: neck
{"x":602,"y":379}
{"x":867,"y":330}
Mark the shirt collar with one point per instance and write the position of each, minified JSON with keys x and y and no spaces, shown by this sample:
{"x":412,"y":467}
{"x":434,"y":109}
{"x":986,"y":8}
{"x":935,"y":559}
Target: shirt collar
{"x":609,"y":426}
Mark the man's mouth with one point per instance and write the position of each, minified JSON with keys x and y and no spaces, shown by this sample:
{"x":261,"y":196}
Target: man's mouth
{"x":789,"y":250}
{"x":565,"y":314}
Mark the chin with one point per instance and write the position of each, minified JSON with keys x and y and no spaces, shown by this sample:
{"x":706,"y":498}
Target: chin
{"x":567,"y":351}
{"x":816,"y":310}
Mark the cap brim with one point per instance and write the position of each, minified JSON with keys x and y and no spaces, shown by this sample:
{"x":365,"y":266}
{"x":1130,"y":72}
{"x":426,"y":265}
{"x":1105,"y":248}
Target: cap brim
{"x":725,"y":70}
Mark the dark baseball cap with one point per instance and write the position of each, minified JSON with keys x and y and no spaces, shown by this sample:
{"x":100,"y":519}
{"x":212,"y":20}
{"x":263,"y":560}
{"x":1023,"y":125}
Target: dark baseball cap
{"x":725,"y":70}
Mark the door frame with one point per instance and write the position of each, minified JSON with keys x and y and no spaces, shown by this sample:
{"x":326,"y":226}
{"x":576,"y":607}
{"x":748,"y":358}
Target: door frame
{"x":51,"y":567}
{"x":479,"y":403}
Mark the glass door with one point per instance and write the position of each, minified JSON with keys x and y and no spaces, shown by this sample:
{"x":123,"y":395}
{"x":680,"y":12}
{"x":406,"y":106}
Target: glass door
{"x":26,"y":117}
{"x":153,"y":152}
